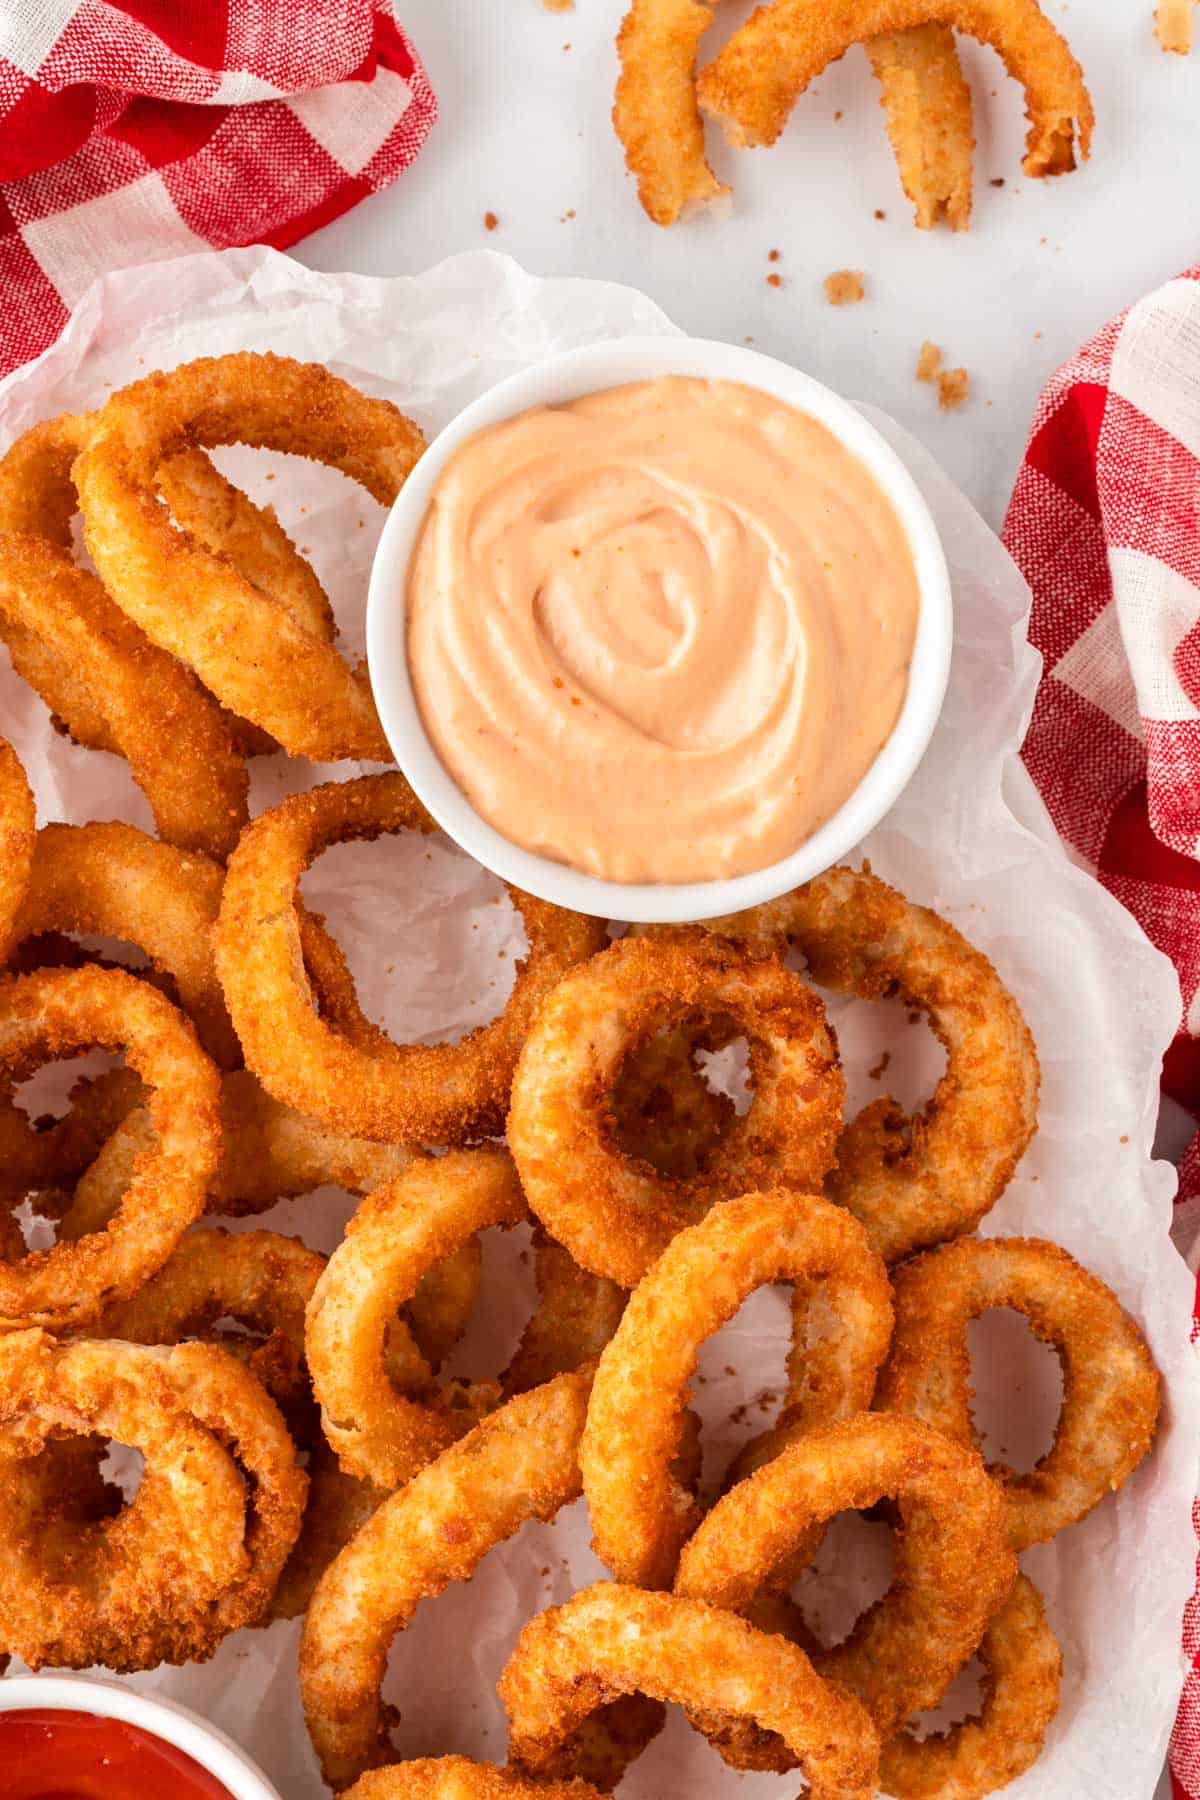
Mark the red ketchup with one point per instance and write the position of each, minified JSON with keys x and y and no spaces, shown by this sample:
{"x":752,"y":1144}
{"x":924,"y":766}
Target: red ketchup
{"x":51,"y":1754}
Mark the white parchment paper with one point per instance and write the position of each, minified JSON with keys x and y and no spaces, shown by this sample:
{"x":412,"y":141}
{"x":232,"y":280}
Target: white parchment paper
{"x":431,"y":940}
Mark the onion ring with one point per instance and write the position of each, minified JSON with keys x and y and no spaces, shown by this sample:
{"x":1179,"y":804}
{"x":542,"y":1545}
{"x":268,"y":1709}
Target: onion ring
{"x":54,"y":1013}
{"x":53,"y":1153}
{"x":268,"y":1153}
{"x":953,"y":1564}
{"x":95,"y":669}
{"x":521,"y":1462}
{"x":243,"y":642}
{"x":198,"y":1550}
{"x":914,"y":1182}
{"x":112,"y":879}
{"x":1022,"y":1678}
{"x":399,"y":1232}
{"x":574,"y":1319}
{"x":654,"y":110}
{"x":609,"y":1639}
{"x":640,"y":1514}
{"x":755,"y":81}
{"x":614,"y":1215}
{"x":415,"y":1092}
{"x":929,"y":120}
{"x":1111,"y":1388}
{"x":458,"y":1778}
{"x":18,"y":833}
{"x":260,"y":1279}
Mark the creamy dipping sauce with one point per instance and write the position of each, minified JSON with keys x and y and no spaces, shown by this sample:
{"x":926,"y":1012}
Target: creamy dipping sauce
{"x":660,"y":633}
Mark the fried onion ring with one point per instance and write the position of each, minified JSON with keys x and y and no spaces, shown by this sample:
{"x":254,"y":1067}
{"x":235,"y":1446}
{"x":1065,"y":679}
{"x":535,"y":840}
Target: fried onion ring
{"x":640,"y":1514}
{"x":458,"y":1778}
{"x":929,"y":120}
{"x":54,"y":1013}
{"x":268,"y":1153}
{"x":244,"y":643}
{"x":260,"y":1279}
{"x":1022,"y":1678}
{"x":914,"y":1182}
{"x":1111,"y":1388}
{"x":112,"y":879}
{"x":522,"y":1462}
{"x":198,"y":1550}
{"x":953,"y":1564}
{"x":613,"y":1214}
{"x":397,"y":1234}
{"x":96,"y":670}
{"x":18,"y":833}
{"x":609,"y":1639}
{"x":574,"y":1319}
{"x":753,"y":84}
{"x":420,"y":1093}
{"x":654,"y":110}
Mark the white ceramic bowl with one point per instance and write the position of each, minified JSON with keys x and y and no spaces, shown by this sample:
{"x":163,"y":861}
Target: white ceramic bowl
{"x":175,"y":1725}
{"x":566,"y":377}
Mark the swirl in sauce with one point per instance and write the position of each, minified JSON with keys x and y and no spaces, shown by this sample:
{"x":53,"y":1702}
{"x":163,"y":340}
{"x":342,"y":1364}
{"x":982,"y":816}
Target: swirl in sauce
{"x":660,"y":633}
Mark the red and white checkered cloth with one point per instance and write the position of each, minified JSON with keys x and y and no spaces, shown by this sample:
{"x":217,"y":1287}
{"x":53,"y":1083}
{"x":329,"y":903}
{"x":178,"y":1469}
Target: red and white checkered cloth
{"x":132,"y":130}
{"x":1105,"y":524}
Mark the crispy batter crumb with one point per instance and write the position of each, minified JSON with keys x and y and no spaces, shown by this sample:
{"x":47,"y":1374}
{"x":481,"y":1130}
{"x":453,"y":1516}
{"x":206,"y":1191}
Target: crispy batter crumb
{"x":879,"y":213}
{"x":879,"y":1069}
{"x":844,"y":287}
{"x":952,"y":388}
{"x":929,"y":360}
{"x":1173,"y":25}
{"x":774,"y":280}
{"x":996,"y":181}
{"x":559,"y":5}
{"x":490,"y":220}
{"x":836,"y":117}
{"x":772,"y":256}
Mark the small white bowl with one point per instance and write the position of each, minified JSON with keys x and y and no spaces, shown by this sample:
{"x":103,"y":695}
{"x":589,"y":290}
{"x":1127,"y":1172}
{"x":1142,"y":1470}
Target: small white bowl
{"x":566,"y":377}
{"x":175,"y":1725}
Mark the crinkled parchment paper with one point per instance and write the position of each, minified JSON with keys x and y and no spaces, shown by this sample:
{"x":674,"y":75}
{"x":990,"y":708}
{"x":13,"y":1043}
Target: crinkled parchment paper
{"x":432,"y":942}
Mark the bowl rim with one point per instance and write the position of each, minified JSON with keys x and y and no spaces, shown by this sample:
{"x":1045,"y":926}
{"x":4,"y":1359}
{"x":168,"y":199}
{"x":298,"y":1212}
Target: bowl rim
{"x":568,"y":375}
{"x":177,"y":1725}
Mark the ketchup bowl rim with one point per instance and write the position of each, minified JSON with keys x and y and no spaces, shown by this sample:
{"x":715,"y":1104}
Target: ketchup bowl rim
{"x":216,"y":1753}
{"x":567,"y":376}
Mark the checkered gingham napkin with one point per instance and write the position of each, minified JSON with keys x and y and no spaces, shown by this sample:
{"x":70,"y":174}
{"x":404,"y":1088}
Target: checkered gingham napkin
{"x":132,"y":130}
{"x":1105,"y":524}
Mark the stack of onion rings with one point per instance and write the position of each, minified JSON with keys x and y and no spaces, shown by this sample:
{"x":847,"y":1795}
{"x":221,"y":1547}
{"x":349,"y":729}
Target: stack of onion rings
{"x":18,"y":828}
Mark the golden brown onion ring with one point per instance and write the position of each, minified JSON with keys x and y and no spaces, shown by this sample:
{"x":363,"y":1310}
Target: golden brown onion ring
{"x":420,"y":1093}
{"x":1111,"y":1388}
{"x":753,"y":84}
{"x":18,"y":832}
{"x":96,"y":670}
{"x":1022,"y":1678}
{"x":640,"y":1513}
{"x":575,"y":1316}
{"x":616,"y":1215}
{"x":609,"y":1639}
{"x":260,"y":1279}
{"x":398,"y":1233}
{"x":110,"y":878}
{"x":522,"y":1462}
{"x":198,"y":1550}
{"x":457,"y":1778}
{"x":929,"y":120}
{"x":914,"y":1182}
{"x":954,"y":1568}
{"x":654,"y":111}
{"x":53,"y":1014}
{"x":243,"y":641}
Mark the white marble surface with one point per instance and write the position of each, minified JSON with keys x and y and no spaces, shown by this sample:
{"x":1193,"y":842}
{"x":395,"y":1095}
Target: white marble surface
{"x":524,"y":132}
